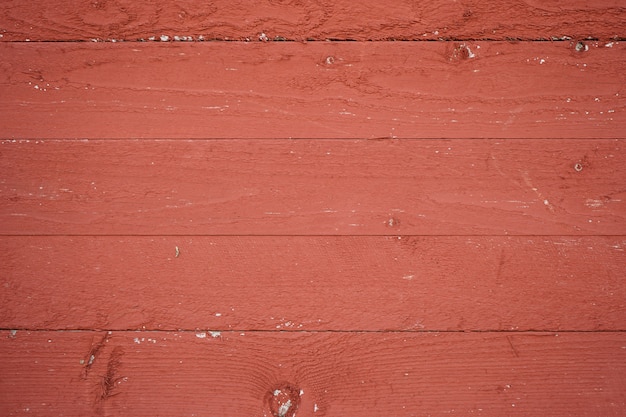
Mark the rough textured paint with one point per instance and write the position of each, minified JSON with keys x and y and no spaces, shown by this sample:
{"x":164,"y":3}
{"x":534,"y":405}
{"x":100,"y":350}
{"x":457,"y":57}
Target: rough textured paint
{"x":313,"y":187}
{"x":357,"y":374}
{"x":313,"y":283}
{"x":315,"y":90}
{"x":193,"y":226}
{"x":310,"y":20}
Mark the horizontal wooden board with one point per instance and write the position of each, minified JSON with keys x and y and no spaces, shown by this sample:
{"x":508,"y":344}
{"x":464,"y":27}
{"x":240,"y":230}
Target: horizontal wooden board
{"x":272,"y":374}
{"x":310,"y":19}
{"x":314,"y":90}
{"x":313,"y":283}
{"x":313,"y":187}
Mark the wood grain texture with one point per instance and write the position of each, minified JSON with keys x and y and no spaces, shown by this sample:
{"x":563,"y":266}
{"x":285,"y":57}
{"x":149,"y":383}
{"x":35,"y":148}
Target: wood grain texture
{"x":248,"y":228}
{"x":313,"y":283}
{"x":234,"y":374}
{"x":314,"y":90}
{"x":311,"y":19}
{"x":313,"y":187}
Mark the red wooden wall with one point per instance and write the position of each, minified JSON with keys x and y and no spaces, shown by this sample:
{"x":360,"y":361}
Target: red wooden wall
{"x":312,"y":208}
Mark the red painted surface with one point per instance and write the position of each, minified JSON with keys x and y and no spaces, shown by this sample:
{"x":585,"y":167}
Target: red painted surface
{"x":313,"y":187}
{"x":313,"y":283}
{"x":315,"y":90}
{"x":311,"y":19}
{"x":164,"y":252}
{"x":362,"y":374}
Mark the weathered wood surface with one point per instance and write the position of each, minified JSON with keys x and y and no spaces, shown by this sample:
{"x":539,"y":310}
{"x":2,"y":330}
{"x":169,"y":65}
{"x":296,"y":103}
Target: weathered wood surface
{"x":164,"y":252}
{"x":313,"y":187}
{"x":311,"y":19}
{"x":321,"y":374}
{"x":313,"y":283}
{"x":314,"y":90}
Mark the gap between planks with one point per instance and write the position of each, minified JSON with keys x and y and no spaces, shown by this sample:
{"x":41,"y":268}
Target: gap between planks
{"x":392,"y":236}
{"x":372,"y":41}
{"x":356,"y":331}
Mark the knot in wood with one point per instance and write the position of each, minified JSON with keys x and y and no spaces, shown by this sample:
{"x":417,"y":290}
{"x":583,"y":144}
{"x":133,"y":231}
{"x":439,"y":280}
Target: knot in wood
{"x":283,"y":400}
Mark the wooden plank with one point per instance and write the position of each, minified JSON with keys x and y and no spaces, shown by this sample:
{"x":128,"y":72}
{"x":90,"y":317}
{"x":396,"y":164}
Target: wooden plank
{"x":310,"y":19}
{"x":313,"y":283}
{"x":314,"y":90}
{"x":256,"y":374}
{"x":313,"y":187}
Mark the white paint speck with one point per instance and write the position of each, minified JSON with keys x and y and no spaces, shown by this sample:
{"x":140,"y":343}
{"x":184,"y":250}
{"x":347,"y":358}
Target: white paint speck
{"x":301,"y":392}
{"x":315,"y":407}
{"x":218,"y":314}
{"x":284,"y":408}
{"x":164,"y":38}
{"x":201,"y":335}
{"x":277,"y":392}
{"x":591,"y":203}
{"x":215,"y":334}
{"x":542,"y":61}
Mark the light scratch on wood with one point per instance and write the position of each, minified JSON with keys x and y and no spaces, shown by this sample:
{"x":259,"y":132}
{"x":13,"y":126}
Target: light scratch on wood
{"x":512,"y":347}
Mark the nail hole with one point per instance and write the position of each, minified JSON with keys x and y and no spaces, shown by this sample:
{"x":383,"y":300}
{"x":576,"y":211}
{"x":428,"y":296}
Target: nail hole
{"x":392,"y":222}
{"x":580,"y":47}
{"x":578,"y":167}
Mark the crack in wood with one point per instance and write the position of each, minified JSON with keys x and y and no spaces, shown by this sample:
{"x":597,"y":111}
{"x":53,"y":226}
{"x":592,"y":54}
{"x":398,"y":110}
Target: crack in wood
{"x":96,"y":347}
{"x":110,"y":380}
